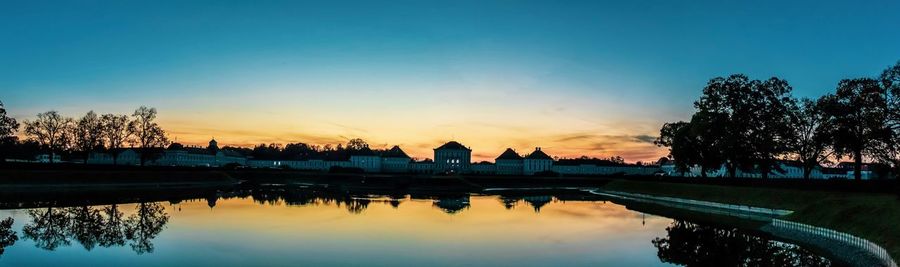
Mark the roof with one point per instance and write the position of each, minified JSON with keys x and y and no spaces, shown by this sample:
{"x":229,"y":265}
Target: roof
{"x":453,"y":145}
{"x":395,"y":152}
{"x":538,"y":154}
{"x":365,"y":151}
{"x":509,"y":154}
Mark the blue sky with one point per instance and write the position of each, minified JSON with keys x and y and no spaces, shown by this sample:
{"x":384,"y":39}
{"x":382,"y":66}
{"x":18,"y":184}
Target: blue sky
{"x":490,"y":73}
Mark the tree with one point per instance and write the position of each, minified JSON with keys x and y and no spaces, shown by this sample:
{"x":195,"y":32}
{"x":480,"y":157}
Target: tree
{"x":357,"y":144}
{"x":676,"y":136}
{"x":89,"y":134}
{"x":115,"y":133}
{"x":726,"y":101}
{"x":147,"y":133}
{"x":769,"y":127}
{"x":811,"y":135}
{"x":888,"y":149}
{"x":8,"y":129}
{"x":857,"y":111}
{"x":51,"y":130}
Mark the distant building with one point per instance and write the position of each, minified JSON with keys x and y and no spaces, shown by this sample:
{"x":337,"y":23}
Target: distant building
{"x":537,"y":162}
{"x":395,"y":161}
{"x":509,"y":163}
{"x":484,"y":167}
{"x":452,"y":157}
{"x":45,"y":158}
{"x":365,"y":159}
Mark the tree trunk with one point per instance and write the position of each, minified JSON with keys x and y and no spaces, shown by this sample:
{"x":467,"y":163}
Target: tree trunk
{"x":732,"y":171}
{"x":51,"y":156}
{"x":857,"y":165}
{"x":764,"y":170}
{"x":702,"y":171}
{"x":115,"y":158}
{"x":807,"y":170}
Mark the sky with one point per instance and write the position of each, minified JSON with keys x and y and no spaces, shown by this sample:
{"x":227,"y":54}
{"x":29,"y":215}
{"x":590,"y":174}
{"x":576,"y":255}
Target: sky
{"x":576,"y":78}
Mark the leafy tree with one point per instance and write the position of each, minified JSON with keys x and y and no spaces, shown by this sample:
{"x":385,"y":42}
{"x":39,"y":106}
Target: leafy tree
{"x":888,"y":149}
{"x":726,"y":101}
{"x":811,"y":137}
{"x":51,"y":130}
{"x":357,"y":144}
{"x":148,"y":135}
{"x":857,"y":112}
{"x":88,"y":134}
{"x":769,"y":130}
{"x":8,"y":128}
{"x":677,"y":137}
{"x":115,"y":133}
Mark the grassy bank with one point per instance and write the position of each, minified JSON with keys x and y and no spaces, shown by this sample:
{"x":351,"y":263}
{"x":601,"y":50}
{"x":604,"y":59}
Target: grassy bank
{"x":873,"y":216}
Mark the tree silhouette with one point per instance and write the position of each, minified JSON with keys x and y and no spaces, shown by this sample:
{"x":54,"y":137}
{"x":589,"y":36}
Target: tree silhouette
{"x":888,"y":149}
{"x":115,"y":133}
{"x":812,"y":133}
{"x":857,"y":111}
{"x":146,"y":131}
{"x":8,"y":237}
{"x":88,"y":134}
{"x":145,"y":224}
{"x":8,"y":129}
{"x":51,"y":130}
{"x":770,"y":128}
{"x":726,"y":101}
{"x":356,"y":144}
{"x":48,"y":228}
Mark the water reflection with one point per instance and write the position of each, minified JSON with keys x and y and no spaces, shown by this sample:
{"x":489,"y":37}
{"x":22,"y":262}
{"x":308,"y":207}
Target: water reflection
{"x":8,"y":237}
{"x":51,"y":227}
{"x":692,"y":244}
{"x":92,"y":224}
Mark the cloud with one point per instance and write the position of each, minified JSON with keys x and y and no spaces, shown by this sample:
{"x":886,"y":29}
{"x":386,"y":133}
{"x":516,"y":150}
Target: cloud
{"x":645,"y":138}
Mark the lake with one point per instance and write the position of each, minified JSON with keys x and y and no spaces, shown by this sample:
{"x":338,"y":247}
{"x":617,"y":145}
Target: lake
{"x":319,"y":226}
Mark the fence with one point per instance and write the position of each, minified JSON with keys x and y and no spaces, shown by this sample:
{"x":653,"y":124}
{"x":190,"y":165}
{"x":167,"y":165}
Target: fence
{"x":874,"y":252}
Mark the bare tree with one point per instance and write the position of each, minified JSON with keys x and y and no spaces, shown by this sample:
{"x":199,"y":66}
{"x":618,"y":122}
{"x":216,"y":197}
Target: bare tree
{"x":147,"y":133}
{"x":51,"y":130}
{"x":88,"y":134}
{"x":115,"y":133}
{"x":8,"y":129}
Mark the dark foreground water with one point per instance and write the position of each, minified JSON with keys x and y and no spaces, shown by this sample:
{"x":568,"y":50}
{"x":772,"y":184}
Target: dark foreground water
{"x":278,"y":226}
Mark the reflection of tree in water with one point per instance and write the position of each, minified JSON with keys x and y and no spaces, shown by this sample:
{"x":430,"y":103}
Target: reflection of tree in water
{"x":509,"y":202}
{"x":48,"y":228}
{"x":89,"y":226}
{"x":85,"y":226}
{"x":452,"y":205}
{"x":112,"y":231}
{"x":7,"y":235}
{"x":692,"y":244}
{"x":538,"y":201}
{"x":145,"y":224}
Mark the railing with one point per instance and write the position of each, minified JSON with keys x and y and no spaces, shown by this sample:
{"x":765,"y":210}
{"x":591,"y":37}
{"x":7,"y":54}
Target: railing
{"x":873,"y":250}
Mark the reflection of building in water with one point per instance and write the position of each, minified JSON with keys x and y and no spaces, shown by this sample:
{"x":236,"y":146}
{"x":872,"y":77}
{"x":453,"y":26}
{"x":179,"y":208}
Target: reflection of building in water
{"x":538,"y":201}
{"x":452,"y":205}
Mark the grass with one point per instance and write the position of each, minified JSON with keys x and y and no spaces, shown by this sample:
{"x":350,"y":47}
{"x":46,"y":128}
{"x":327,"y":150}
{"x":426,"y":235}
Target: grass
{"x":872,"y":216}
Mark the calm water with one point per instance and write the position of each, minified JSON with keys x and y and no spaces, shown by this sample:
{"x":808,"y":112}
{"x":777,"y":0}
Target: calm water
{"x":276,"y":226}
